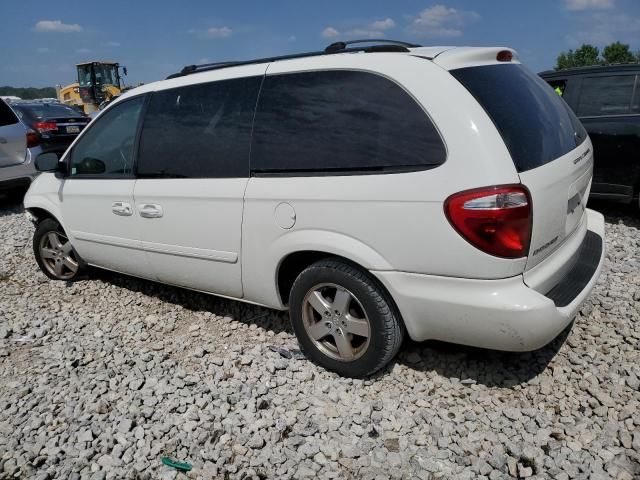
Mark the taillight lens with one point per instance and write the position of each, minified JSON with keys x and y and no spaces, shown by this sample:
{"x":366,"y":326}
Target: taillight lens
{"x":504,"y":56}
{"x":32,"y":139}
{"x":45,"y":126}
{"x":497,"y":220}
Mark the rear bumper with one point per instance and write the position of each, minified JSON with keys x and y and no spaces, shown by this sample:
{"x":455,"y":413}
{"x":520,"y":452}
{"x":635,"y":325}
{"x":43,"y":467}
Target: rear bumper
{"x":503,"y":314}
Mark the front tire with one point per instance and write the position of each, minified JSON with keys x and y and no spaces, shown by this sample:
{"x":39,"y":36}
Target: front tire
{"x":343,"y":319}
{"x":54,"y":253}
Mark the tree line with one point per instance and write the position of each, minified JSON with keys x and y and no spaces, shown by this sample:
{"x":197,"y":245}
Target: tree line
{"x":590,"y":55}
{"x":28,"y":93}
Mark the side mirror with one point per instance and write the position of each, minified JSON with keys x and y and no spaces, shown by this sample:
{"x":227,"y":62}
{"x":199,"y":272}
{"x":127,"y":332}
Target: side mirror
{"x":124,"y":70}
{"x":47,"y":162}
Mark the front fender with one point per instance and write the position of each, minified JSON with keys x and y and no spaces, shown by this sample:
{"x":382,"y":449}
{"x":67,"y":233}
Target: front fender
{"x":45,"y":193}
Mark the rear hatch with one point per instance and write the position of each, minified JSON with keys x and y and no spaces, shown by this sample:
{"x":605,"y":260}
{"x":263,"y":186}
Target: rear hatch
{"x":548,"y":145}
{"x":13,"y":139}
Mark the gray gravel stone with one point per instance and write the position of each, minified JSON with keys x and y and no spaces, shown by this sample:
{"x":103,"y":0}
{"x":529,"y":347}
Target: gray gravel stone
{"x":191,"y":376}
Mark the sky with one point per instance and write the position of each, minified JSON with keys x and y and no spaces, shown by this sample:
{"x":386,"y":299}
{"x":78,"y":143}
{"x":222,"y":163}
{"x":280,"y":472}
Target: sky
{"x":40,"y":42}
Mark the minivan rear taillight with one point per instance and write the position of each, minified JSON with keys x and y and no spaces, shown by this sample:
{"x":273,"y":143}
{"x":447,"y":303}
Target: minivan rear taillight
{"x":497,"y":220}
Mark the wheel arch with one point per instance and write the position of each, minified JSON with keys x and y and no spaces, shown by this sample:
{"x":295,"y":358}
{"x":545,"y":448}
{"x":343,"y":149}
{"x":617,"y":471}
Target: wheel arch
{"x":42,"y":208}
{"x":41,"y":214}
{"x":295,"y":262}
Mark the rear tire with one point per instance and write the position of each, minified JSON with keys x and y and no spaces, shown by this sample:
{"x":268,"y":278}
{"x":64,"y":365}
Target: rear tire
{"x":344,"y":321}
{"x":54,"y":253}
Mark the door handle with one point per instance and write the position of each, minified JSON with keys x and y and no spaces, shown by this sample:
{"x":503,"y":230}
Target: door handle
{"x":150,"y":210}
{"x":122,"y":208}
{"x":3,"y":140}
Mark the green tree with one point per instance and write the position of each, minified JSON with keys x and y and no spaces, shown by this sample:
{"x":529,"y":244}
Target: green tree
{"x":617,"y":53}
{"x":583,"y":56}
{"x":28,"y":93}
{"x":587,"y":55}
{"x":565,"y":60}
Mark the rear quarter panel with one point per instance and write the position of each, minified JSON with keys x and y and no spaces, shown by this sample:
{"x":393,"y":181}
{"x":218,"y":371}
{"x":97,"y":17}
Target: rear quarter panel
{"x":383,"y":222}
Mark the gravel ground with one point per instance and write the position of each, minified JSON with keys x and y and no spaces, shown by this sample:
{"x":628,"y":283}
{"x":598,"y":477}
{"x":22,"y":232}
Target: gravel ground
{"x":103,"y":377}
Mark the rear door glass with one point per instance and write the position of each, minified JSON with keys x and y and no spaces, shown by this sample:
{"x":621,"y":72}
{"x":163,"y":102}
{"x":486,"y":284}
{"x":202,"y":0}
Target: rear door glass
{"x":536,"y":125}
{"x":602,"y":96}
{"x":337,"y":121}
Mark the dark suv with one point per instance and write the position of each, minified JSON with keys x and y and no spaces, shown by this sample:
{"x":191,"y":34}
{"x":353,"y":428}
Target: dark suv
{"x":607,"y":101}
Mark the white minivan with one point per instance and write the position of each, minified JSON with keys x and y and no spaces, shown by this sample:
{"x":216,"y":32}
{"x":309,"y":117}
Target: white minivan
{"x":374,"y":190}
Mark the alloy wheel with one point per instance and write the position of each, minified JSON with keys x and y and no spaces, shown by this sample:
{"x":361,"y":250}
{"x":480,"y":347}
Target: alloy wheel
{"x":336,"y":322}
{"x":57,"y":255}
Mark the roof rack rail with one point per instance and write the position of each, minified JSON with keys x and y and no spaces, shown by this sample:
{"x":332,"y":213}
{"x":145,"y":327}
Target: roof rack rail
{"x":336,"y":47}
{"x":189,"y":69}
{"x":341,"y":46}
{"x":203,"y":67}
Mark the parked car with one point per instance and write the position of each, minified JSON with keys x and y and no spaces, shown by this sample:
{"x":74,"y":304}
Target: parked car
{"x":374,"y":191}
{"x":56,"y":124}
{"x":18,"y":148}
{"x":606,"y":99}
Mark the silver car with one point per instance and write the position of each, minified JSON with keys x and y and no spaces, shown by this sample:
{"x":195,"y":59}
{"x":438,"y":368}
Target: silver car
{"x":19,"y":146}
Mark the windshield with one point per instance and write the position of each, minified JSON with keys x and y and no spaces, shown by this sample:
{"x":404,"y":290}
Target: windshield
{"x":535,"y":123}
{"x":84,"y":75}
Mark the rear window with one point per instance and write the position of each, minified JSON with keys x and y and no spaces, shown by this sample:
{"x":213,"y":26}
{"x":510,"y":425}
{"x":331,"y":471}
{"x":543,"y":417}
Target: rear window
{"x":6,"y":115}
{"x":535,"y":123}
{"x":602,"y":96}
{"x":49,"y":111}
{"x":334,"y":122}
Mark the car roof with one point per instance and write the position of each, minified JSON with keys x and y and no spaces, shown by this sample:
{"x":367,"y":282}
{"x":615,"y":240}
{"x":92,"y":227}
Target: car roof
{"x":41,"y":104}
{"x":451,"y":56}
{"x":621,"y":67}
{"x":446,"y":57}
{"x":46,"y":109}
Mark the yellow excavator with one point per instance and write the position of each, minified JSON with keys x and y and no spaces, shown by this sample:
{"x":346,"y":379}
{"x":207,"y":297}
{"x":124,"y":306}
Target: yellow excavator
{"x":98,"y":83}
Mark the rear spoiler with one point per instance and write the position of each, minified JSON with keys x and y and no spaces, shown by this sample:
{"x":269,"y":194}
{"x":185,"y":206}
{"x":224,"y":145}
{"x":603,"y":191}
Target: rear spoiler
{"x":460,"y":57}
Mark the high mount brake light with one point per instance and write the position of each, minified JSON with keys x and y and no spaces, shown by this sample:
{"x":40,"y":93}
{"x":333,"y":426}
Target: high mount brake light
{"x":497,"y":220}
{"x":504,"y":56}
